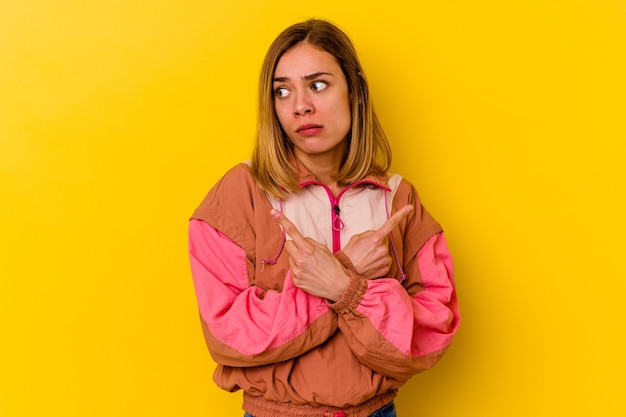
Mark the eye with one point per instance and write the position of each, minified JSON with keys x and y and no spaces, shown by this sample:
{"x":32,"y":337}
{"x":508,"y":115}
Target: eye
{"x":281,"y":92}
{"x":318,"y":85}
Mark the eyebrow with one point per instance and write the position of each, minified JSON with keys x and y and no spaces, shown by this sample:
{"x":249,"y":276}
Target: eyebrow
{"x":305,"y":78}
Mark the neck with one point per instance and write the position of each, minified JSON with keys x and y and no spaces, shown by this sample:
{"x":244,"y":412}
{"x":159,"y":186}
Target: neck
{"x":324,"y":169}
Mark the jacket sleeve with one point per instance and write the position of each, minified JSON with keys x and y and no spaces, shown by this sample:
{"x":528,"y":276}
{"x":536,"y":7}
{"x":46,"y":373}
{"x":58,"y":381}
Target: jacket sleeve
{"x":394,"y":332}
{"x":244,"y":326}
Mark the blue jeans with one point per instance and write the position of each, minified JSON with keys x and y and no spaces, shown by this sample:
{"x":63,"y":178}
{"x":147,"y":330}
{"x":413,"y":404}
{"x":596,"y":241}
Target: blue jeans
{"x":388,"y":410}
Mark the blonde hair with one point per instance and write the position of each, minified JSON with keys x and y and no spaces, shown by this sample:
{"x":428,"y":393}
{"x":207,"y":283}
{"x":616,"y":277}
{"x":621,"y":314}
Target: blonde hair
{"x":270,"y":158}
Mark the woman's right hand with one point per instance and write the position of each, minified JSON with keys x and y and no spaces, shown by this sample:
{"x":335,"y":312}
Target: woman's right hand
{"x":369,"y":251}
{"x":314,"y":269}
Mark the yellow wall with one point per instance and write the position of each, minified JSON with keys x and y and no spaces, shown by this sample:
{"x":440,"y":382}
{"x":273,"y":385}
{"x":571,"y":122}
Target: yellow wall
{"x":117,"y":116}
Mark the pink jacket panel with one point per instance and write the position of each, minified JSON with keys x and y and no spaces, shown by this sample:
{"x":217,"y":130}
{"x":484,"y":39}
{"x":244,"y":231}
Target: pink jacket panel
{"x":236,"y":314}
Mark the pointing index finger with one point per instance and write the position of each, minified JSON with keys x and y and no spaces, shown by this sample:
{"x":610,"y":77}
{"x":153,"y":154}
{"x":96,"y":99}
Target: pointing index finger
{"x":288,"y":227}
{"x":393,"y":221}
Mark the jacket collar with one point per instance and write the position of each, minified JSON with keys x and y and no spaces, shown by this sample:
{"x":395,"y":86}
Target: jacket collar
{"x":306,"y":177}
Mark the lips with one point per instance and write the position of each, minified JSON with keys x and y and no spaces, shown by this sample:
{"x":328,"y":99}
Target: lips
{"x":309,"y":129}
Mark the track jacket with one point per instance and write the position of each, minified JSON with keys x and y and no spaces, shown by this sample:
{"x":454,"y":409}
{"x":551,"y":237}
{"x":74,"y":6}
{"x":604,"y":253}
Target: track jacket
{"x":295,"y":354}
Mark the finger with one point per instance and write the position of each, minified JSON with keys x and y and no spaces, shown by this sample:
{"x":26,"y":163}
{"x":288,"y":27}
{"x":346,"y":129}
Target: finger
{"x":393,"y":221}
{"x":289,"y":228}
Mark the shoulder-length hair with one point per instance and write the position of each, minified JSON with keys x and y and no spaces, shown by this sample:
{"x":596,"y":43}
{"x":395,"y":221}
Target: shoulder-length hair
{"x":368,"y":151}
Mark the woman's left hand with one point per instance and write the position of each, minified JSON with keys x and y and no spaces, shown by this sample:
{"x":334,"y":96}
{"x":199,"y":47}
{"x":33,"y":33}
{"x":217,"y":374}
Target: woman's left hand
{"x":369,"y":251}
{"x":314,"y":268}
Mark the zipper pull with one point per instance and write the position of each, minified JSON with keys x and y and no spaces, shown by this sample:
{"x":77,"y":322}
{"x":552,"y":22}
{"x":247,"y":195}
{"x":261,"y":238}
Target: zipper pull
{"x":337,"y":223}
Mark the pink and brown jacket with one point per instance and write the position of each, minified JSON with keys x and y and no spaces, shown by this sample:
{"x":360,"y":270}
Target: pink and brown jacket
{"x":296,"y":354}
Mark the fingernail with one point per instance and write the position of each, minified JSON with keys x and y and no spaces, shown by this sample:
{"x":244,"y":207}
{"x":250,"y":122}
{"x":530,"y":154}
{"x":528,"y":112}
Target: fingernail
{"x":409,"y":209}
{"x":274,"y":213}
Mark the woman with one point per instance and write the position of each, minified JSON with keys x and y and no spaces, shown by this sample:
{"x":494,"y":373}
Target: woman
{"x":323,"y":284}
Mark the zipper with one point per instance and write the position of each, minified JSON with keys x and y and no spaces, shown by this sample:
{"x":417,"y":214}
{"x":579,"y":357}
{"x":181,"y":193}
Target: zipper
{"x":337,"y":225}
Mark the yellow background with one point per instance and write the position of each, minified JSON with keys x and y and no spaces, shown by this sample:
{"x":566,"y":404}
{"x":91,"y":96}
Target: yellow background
{"x":117,"y":116}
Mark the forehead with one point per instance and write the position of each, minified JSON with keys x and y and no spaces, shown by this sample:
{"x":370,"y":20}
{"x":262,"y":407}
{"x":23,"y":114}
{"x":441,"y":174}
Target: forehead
{"x":304,"y":59}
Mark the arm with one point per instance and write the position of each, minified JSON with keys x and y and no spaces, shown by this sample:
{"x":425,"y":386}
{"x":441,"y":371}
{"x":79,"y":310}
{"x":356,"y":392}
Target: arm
{"x":242,"y":325}
{"x":396,"y":332}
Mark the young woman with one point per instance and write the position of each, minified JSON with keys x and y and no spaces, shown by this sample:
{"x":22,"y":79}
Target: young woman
{"x":322,"y":282}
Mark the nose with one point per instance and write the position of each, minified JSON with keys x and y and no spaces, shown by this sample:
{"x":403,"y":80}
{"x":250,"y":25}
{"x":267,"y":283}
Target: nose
{"x":302,"y":105}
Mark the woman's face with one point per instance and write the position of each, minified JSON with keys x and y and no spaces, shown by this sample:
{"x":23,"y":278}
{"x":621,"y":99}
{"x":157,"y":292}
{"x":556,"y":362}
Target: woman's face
{"x":312,"y":103}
